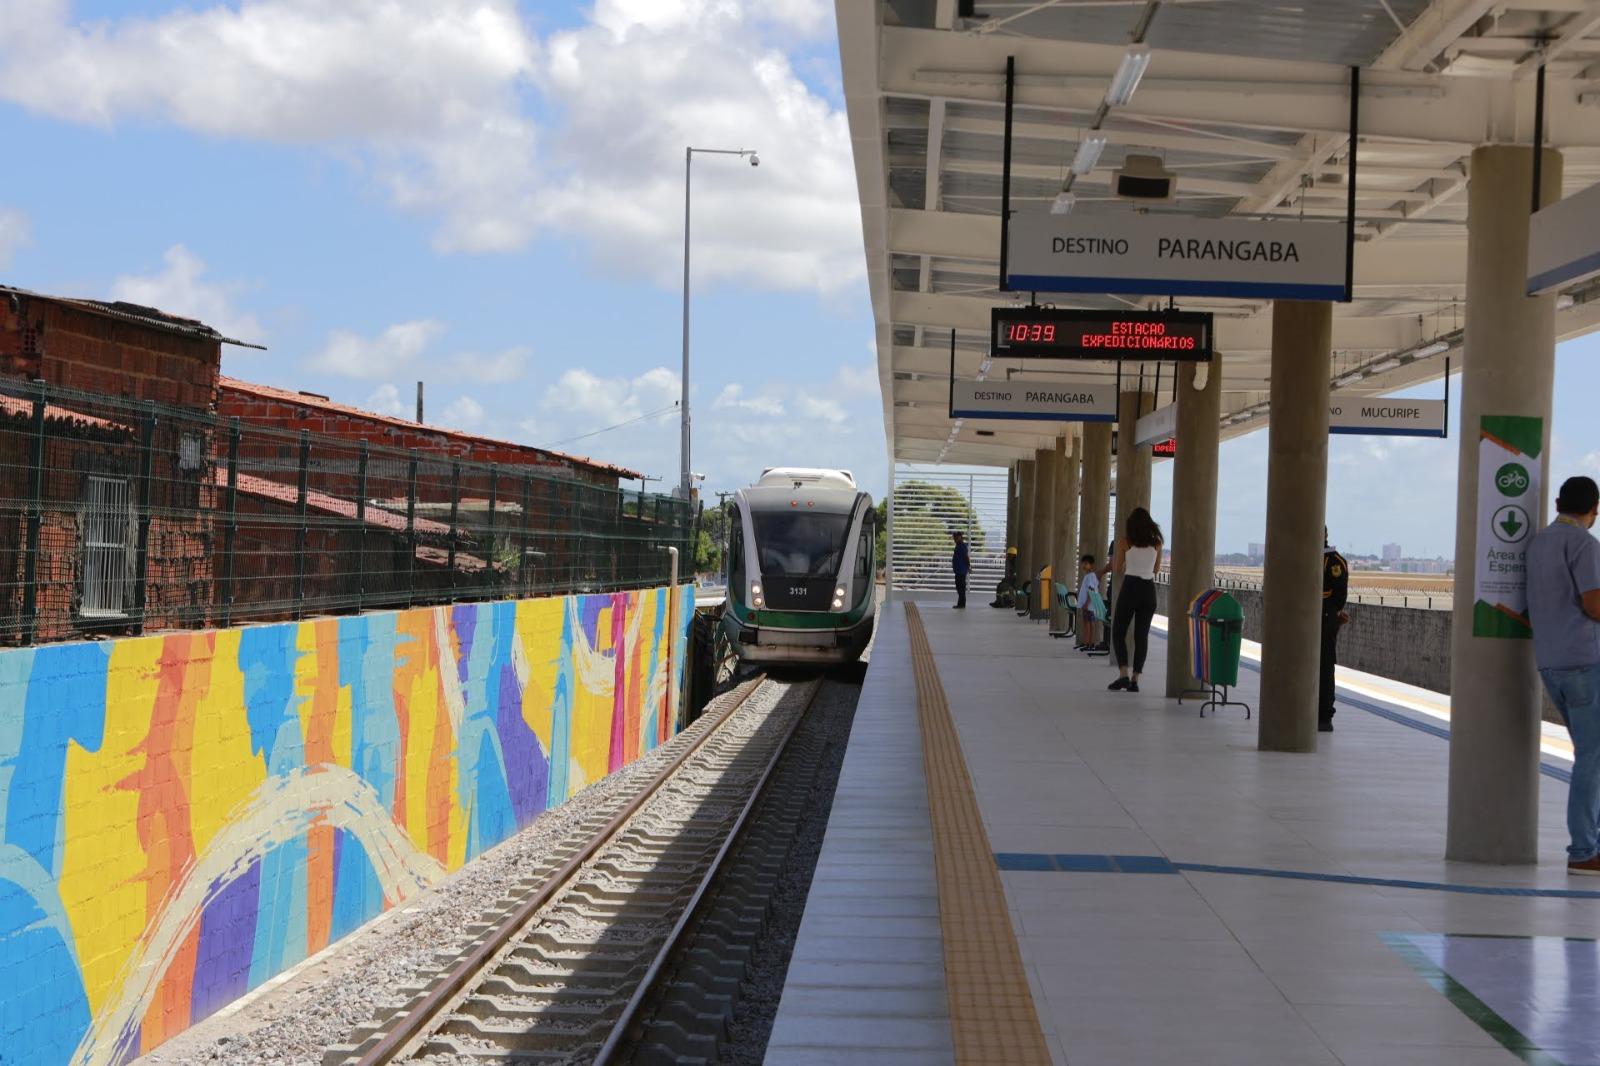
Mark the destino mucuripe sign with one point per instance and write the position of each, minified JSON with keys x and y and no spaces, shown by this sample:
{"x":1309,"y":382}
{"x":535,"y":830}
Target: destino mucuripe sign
{"x":1046,"y":401}
{"x":1070,"y":333}
{"x":1377,"y":416}
{"x":1176,"y":255}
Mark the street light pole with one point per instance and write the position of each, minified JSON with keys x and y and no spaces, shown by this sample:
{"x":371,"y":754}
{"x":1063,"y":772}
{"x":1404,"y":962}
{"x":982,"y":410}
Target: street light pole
{"x":685,"y":479}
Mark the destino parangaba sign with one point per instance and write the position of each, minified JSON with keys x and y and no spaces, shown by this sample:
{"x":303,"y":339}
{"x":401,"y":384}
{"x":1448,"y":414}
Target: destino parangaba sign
{"x":1176,"y":255}
{"x":1046,"y":401}
{"x":1064,"y":333}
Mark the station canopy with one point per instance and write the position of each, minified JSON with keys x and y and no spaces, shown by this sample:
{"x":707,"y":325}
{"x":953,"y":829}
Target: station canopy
{"x":1247,"y":102}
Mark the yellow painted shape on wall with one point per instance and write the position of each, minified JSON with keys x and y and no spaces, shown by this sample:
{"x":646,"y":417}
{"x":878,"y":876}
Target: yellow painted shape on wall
{"x":539,"y":626}
{"x":226,"y":772}
{"x":101,"y":881}
{"x":422,"y":702}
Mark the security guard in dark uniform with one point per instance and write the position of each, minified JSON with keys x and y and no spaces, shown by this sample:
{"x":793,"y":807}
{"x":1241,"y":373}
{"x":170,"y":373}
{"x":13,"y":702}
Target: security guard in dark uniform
{"x":1335,"y":593}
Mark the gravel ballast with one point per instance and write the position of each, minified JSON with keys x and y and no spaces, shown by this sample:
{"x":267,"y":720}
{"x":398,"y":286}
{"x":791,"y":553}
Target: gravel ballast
{"x":293,"y":1018}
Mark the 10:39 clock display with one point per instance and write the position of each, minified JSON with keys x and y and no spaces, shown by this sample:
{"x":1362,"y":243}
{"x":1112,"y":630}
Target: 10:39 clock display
{"x":1059,"y":333}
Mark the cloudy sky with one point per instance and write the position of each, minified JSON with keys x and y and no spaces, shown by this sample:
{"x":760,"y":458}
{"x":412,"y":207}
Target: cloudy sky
{"x":482,"y":194}
{"x":487,"y":195}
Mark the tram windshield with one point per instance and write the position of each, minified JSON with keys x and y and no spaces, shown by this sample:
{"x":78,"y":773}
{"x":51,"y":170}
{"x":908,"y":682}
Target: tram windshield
{"x":801,"y":544}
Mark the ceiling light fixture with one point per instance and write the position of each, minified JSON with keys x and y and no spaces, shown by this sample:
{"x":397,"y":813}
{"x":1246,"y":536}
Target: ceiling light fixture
{"x":1430,"y":349}
{"x":1088,"y":155}
{"x":1123,"y":83}
{"x":1062,"y":205}
{"x":1386,"y":365}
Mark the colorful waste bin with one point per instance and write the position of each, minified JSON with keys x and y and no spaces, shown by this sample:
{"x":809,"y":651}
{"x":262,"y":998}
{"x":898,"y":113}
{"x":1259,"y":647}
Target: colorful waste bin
{"x":1216,"y":635}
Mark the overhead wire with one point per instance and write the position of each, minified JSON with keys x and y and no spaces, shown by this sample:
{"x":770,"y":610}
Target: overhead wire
{"x":673,"y":406}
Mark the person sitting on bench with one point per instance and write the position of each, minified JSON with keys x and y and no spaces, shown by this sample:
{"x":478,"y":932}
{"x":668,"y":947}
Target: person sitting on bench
{"x":1005,"y":590}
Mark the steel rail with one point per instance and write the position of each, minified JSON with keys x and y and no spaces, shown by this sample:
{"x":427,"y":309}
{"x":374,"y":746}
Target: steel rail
{"x":416,"y":1023}
{"x":607,"y":1054}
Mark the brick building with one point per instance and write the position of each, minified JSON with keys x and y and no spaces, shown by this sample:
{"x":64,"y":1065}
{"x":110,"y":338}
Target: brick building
{"x":117,"y":371}
{"x":540,"y":501}
{"x":140,"y":489}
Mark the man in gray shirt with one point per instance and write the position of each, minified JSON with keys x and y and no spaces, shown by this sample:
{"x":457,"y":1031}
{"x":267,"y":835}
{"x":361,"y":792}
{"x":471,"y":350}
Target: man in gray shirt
{"x":1564,"y":607}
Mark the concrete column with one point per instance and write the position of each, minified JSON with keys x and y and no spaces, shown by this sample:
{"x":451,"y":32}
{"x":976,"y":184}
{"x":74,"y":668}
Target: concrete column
{"x":1065,"y":539}
{"x":1025,"y":499}
{"x":1094,"y":512}
{"x":1509,"y":369}
{"x":1133,"y":462}
{"x":1193,"y":536}
{"x":1297,"y":482}
{"x":1011,"y":506}
{"x":1044,"y":487}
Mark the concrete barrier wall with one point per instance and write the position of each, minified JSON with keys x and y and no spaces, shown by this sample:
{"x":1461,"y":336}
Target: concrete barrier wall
{"x":1401,"y":643}
{"x":1407,"y":644}
{"x":186,"y":815}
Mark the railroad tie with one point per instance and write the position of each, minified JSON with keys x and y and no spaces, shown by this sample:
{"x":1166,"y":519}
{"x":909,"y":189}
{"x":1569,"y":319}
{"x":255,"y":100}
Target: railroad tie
{"x":992,"y":1017}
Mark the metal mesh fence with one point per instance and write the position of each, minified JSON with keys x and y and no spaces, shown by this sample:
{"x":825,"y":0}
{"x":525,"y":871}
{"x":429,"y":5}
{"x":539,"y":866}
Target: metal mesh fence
{"x":925,"y":508}
{"x":118,"y":516}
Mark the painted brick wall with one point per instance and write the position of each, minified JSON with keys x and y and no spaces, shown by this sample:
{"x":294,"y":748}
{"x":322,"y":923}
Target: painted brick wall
{"x":186,"y":815}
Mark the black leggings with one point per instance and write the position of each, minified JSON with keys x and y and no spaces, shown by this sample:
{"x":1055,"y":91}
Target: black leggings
{"x":1136,"y":604}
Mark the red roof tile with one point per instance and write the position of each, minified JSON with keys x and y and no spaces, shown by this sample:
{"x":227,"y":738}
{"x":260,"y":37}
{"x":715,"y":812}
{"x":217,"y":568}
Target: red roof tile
{"x":269,"y":392}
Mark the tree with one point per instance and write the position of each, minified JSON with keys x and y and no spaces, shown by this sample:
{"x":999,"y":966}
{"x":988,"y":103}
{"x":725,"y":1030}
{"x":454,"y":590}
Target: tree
{"x":925,"y":514}
{"x":713,"y":543}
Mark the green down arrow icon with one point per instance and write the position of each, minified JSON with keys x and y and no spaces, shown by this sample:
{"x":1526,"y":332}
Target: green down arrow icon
{"x":1511,"y":524}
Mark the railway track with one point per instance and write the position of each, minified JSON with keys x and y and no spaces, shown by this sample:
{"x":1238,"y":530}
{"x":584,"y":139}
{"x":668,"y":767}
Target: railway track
{"x":572,"y":965}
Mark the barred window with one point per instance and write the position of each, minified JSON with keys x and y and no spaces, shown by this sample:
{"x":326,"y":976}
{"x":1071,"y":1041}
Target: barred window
{"x":108,"y":547}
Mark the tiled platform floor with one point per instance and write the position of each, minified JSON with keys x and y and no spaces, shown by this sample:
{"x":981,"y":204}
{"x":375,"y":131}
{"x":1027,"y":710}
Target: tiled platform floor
{"x":1184,"y":966}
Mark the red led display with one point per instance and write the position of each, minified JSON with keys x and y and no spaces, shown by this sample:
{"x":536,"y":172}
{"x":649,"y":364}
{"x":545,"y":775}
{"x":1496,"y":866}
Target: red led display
{"x":1165,"y":449}
{"x":1053,"y":333}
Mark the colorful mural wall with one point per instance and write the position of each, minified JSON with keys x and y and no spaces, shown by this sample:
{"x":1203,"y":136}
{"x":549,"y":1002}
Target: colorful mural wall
{"x":186,"y":815}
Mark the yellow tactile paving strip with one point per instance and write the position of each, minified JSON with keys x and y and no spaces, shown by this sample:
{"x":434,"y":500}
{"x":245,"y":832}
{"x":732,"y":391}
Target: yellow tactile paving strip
{"x":991,"y":1008}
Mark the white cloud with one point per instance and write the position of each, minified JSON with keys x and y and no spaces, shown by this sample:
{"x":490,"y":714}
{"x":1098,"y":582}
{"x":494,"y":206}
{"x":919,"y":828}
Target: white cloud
{"x":426,"y":89}
{"x":821,"y":409}
{"x":496,"y":369}
{"x":386,"y":400}
{"x":349,"y":354}
{"x":463,"y":413}
{"x":714,"y":76}
{"x":859,"y":381}
{"x":732,"y":398}
{"x":588,"y":402}
{"x":428,"y":95}
{"x":15,"y":234}
{"x":181,"y":288}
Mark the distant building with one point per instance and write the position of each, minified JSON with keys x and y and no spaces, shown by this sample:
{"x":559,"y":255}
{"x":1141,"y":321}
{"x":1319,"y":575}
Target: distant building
{"x":1392,"y":555}
{"x":1257,"y":553}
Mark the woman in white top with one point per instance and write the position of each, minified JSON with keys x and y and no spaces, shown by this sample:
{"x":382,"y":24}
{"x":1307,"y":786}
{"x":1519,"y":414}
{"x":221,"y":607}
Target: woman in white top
{"x":1138,"y":557}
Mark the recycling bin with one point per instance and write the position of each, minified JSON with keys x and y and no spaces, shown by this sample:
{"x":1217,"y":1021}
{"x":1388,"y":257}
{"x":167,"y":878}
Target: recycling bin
{"x":1216,"y":636}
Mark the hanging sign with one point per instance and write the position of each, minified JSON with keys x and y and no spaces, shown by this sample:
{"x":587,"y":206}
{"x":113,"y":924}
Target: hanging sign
{"x":1176,"y":255}
{"x":1165,"y":449}
{"x":1564,"y":242}
{"x":1048,"y":401}
{"x":1508,"y":510}
{"x":1376,"y":416}
{"x":1065,"y":333}
{"x":1157,"y":426}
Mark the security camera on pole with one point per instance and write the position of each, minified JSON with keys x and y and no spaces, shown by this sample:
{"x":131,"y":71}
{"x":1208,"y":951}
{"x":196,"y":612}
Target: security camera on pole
{"x":685,"y":478}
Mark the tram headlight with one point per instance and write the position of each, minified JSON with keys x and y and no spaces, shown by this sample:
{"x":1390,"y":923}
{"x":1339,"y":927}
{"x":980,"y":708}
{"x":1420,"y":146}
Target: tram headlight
{"x":839,"y":592}
{"x":838,"y":604}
